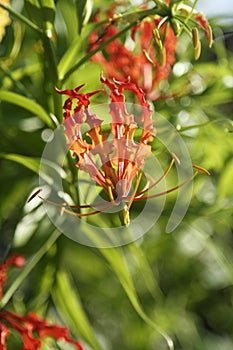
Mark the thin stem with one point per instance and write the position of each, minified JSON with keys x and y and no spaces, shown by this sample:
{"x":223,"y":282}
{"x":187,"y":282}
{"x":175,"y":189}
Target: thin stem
{"x":52,"y":70}
{"x":126,"y":212}
{"x":74,"y":177}
{"x":184,"y":23}
{"x":97,"y":49}
{"x":16,"y":82}
{"x":87,"y":214}
{"x":195,"y":126}
{"x":22,"y":18}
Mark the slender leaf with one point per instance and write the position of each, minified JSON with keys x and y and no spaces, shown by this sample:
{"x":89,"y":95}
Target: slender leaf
{"x":27,"y":104}
{"x":84,"y":8}
{"x":145,"y":270}
{"x":51,"y":239}
{"x":22,"y":18}
{"x":72,"y":308}
{"x":74,"y":51}
{"x":116,"y":260}
{"x":69,"y":58}
{"x":42,"y":12}
{"x":34,"y":164}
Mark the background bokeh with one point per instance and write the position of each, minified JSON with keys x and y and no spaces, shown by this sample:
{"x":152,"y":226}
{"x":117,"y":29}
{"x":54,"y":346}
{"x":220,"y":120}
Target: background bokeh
{"x":183,"y":279}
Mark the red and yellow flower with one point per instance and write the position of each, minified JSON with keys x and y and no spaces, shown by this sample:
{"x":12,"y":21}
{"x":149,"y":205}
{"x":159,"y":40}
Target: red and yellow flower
{"x":120,"y":155}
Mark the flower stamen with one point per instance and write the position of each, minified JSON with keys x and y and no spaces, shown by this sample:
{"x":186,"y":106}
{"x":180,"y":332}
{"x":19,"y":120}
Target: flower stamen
{"x":127,"y":208}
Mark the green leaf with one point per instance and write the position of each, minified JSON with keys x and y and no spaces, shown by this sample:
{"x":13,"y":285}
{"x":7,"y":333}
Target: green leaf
{"x":84,"y":9}
{"x":225,"y":188}
{"x":29,"y":162}
{"x":42,"y":12}
{"x":22,"y":18}
{"x":74,"y":51}
{"x":116,"y":260}
{"x":145,"y":270}
{"x":34,"y":164}
{"x":50,"y":240}
{"x":69,"y":58}
{"x":72,"y":308}
{"x":28,"y":104}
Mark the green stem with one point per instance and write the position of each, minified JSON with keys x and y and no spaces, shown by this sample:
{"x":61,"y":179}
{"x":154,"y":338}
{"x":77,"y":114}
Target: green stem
{"x":136,"y":17}
{"x":22,"y":18}
{"x":184,"y":24}
{"x":50,"y":53}
{"x":52,"y":71}
{"x":28,"y":268}
{"x":74,"y":173}
{"x":17,"y":83}
{"x":93,"y":52}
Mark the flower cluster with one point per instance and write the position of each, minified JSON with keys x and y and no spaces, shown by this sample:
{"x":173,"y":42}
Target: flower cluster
{"x":148,"y":55}
{"x":145,"y":62}
{"x":120,"y":155}
{"x":122,"y":158}
{"x":115,"y":159}
{"x":31,"y":328}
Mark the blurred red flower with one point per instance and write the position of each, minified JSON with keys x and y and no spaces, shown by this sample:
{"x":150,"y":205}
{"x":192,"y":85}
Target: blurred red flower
{"x":31,"y":328}
{"x":148,"y":54}
{"x":145,"y":62}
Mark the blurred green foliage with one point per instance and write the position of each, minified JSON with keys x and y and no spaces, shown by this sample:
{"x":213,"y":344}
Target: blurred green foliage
{"x":182,"y":279}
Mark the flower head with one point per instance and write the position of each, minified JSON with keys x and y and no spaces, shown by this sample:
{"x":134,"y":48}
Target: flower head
{"x":114,"y":159}
{"x":122,"y":158}
{"x":31,"y":328}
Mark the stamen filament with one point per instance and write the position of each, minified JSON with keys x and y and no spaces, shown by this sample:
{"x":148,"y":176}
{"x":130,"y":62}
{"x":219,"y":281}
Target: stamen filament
{"x":167,"y":191}
{"x":126,"y":210}
{"x":199,"y":168}
{"x":109,"y":187}
{"x":159,"y":179}
{"x":64,"y":207}
{"x":87,"y":214}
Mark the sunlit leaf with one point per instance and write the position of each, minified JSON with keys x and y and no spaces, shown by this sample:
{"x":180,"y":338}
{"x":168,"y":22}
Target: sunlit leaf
{"x":74,"y":52}
{"x":42,"y":12}
{"x":84,"y":8}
